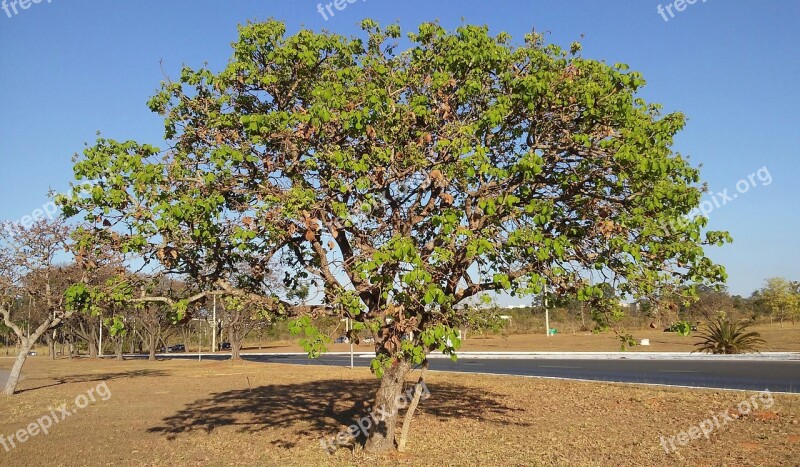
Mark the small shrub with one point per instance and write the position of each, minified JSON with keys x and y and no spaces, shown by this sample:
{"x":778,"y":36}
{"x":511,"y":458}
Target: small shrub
{"x":722,"y":336}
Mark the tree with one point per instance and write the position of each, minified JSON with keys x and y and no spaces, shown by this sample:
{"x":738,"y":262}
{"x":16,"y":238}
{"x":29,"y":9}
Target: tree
{"x":28,"y":269}
{"x":86,"y":328}
{"x":781,"y":299}
{"x":46,"y":289}
{"x":405,"y":183}
{"x":710,"y":302}
{"x":153,"y":321}
{"x":238,"y":319}
{"x":6,"y":332}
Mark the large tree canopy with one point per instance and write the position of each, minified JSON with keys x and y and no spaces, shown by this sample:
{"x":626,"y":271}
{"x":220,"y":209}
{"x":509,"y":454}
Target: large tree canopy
{"x":405,"y":182}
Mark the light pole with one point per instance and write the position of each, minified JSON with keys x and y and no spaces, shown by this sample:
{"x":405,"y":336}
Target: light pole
{"x":546,"y":314}
{"x":214,"y":328}
{"x":350,"y":322}
{"x":347,"y":327}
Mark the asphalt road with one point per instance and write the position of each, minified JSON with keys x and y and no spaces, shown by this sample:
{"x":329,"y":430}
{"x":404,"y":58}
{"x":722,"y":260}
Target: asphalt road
{"x":777,"y":376}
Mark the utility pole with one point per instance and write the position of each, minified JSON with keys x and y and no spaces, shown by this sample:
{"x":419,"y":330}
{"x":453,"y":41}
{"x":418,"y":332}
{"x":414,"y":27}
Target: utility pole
{"x":214,"y":329}
{"x":546,"y":313}
{"x":100,"y":346}
{"x":350,"y":327}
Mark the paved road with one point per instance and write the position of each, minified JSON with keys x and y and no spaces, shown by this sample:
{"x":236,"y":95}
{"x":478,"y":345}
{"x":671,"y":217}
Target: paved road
{"x":777,"y":376}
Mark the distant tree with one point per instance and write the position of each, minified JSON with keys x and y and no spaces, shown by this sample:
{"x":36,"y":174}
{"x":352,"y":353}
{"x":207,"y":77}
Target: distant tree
{"x":118,"y":334}
{"x":6,"y":332}
{"x":781,"y":299}
{"x":239,"y":318}
{"x":709,"y":303}
{"x":406,"y":182}
{"x":85,"y":328}
{"x":153,"y":323}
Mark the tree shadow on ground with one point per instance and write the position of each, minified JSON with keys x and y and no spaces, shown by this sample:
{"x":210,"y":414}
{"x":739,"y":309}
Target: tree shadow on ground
{"x":96,"y":377}
{"x":322,"y":408}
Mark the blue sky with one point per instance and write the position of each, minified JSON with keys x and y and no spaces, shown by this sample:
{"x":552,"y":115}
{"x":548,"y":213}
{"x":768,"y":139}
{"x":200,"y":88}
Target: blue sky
{"x":71,"y":68}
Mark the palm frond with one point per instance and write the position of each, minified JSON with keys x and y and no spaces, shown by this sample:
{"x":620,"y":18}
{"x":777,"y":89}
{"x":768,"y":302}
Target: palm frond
{"x":722,"y":336}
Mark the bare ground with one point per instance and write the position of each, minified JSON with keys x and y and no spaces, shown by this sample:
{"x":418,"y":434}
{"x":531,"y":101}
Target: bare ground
{"x":219,"y":413}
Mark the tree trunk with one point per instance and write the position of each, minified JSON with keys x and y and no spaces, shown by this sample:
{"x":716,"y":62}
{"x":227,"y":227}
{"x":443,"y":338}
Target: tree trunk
{"x":218,"y":330}
{"x":91,"y":344}
{"x":385,"y":409}
{"x":152,"y":348}
{"x":16,"y":370}
{"x":583,"y":320}
{"x":236,"y":344}
{"x":51,"y":344}
{"x":418,"y":390}
{"x":118,"y":348}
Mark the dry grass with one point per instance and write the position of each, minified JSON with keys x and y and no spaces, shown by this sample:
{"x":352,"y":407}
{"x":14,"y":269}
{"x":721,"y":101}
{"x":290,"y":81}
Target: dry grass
{"x":218,"y":413}
{"x":786,"y":339}
{"x":779,"y":339}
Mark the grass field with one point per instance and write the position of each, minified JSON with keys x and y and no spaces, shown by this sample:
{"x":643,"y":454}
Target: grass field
{"x":779,"y":339}
{"x":219,"y":413}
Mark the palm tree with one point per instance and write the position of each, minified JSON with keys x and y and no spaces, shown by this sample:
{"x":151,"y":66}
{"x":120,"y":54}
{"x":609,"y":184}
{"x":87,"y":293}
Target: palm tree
{"x":722,"y":336}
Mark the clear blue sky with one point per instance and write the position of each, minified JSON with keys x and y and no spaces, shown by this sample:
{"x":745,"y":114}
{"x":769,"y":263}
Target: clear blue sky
{"x":70,"y":68}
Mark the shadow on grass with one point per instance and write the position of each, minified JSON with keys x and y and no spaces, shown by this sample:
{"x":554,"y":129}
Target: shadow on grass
{"x":95,"y":377}
{"x":327,"y":406}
